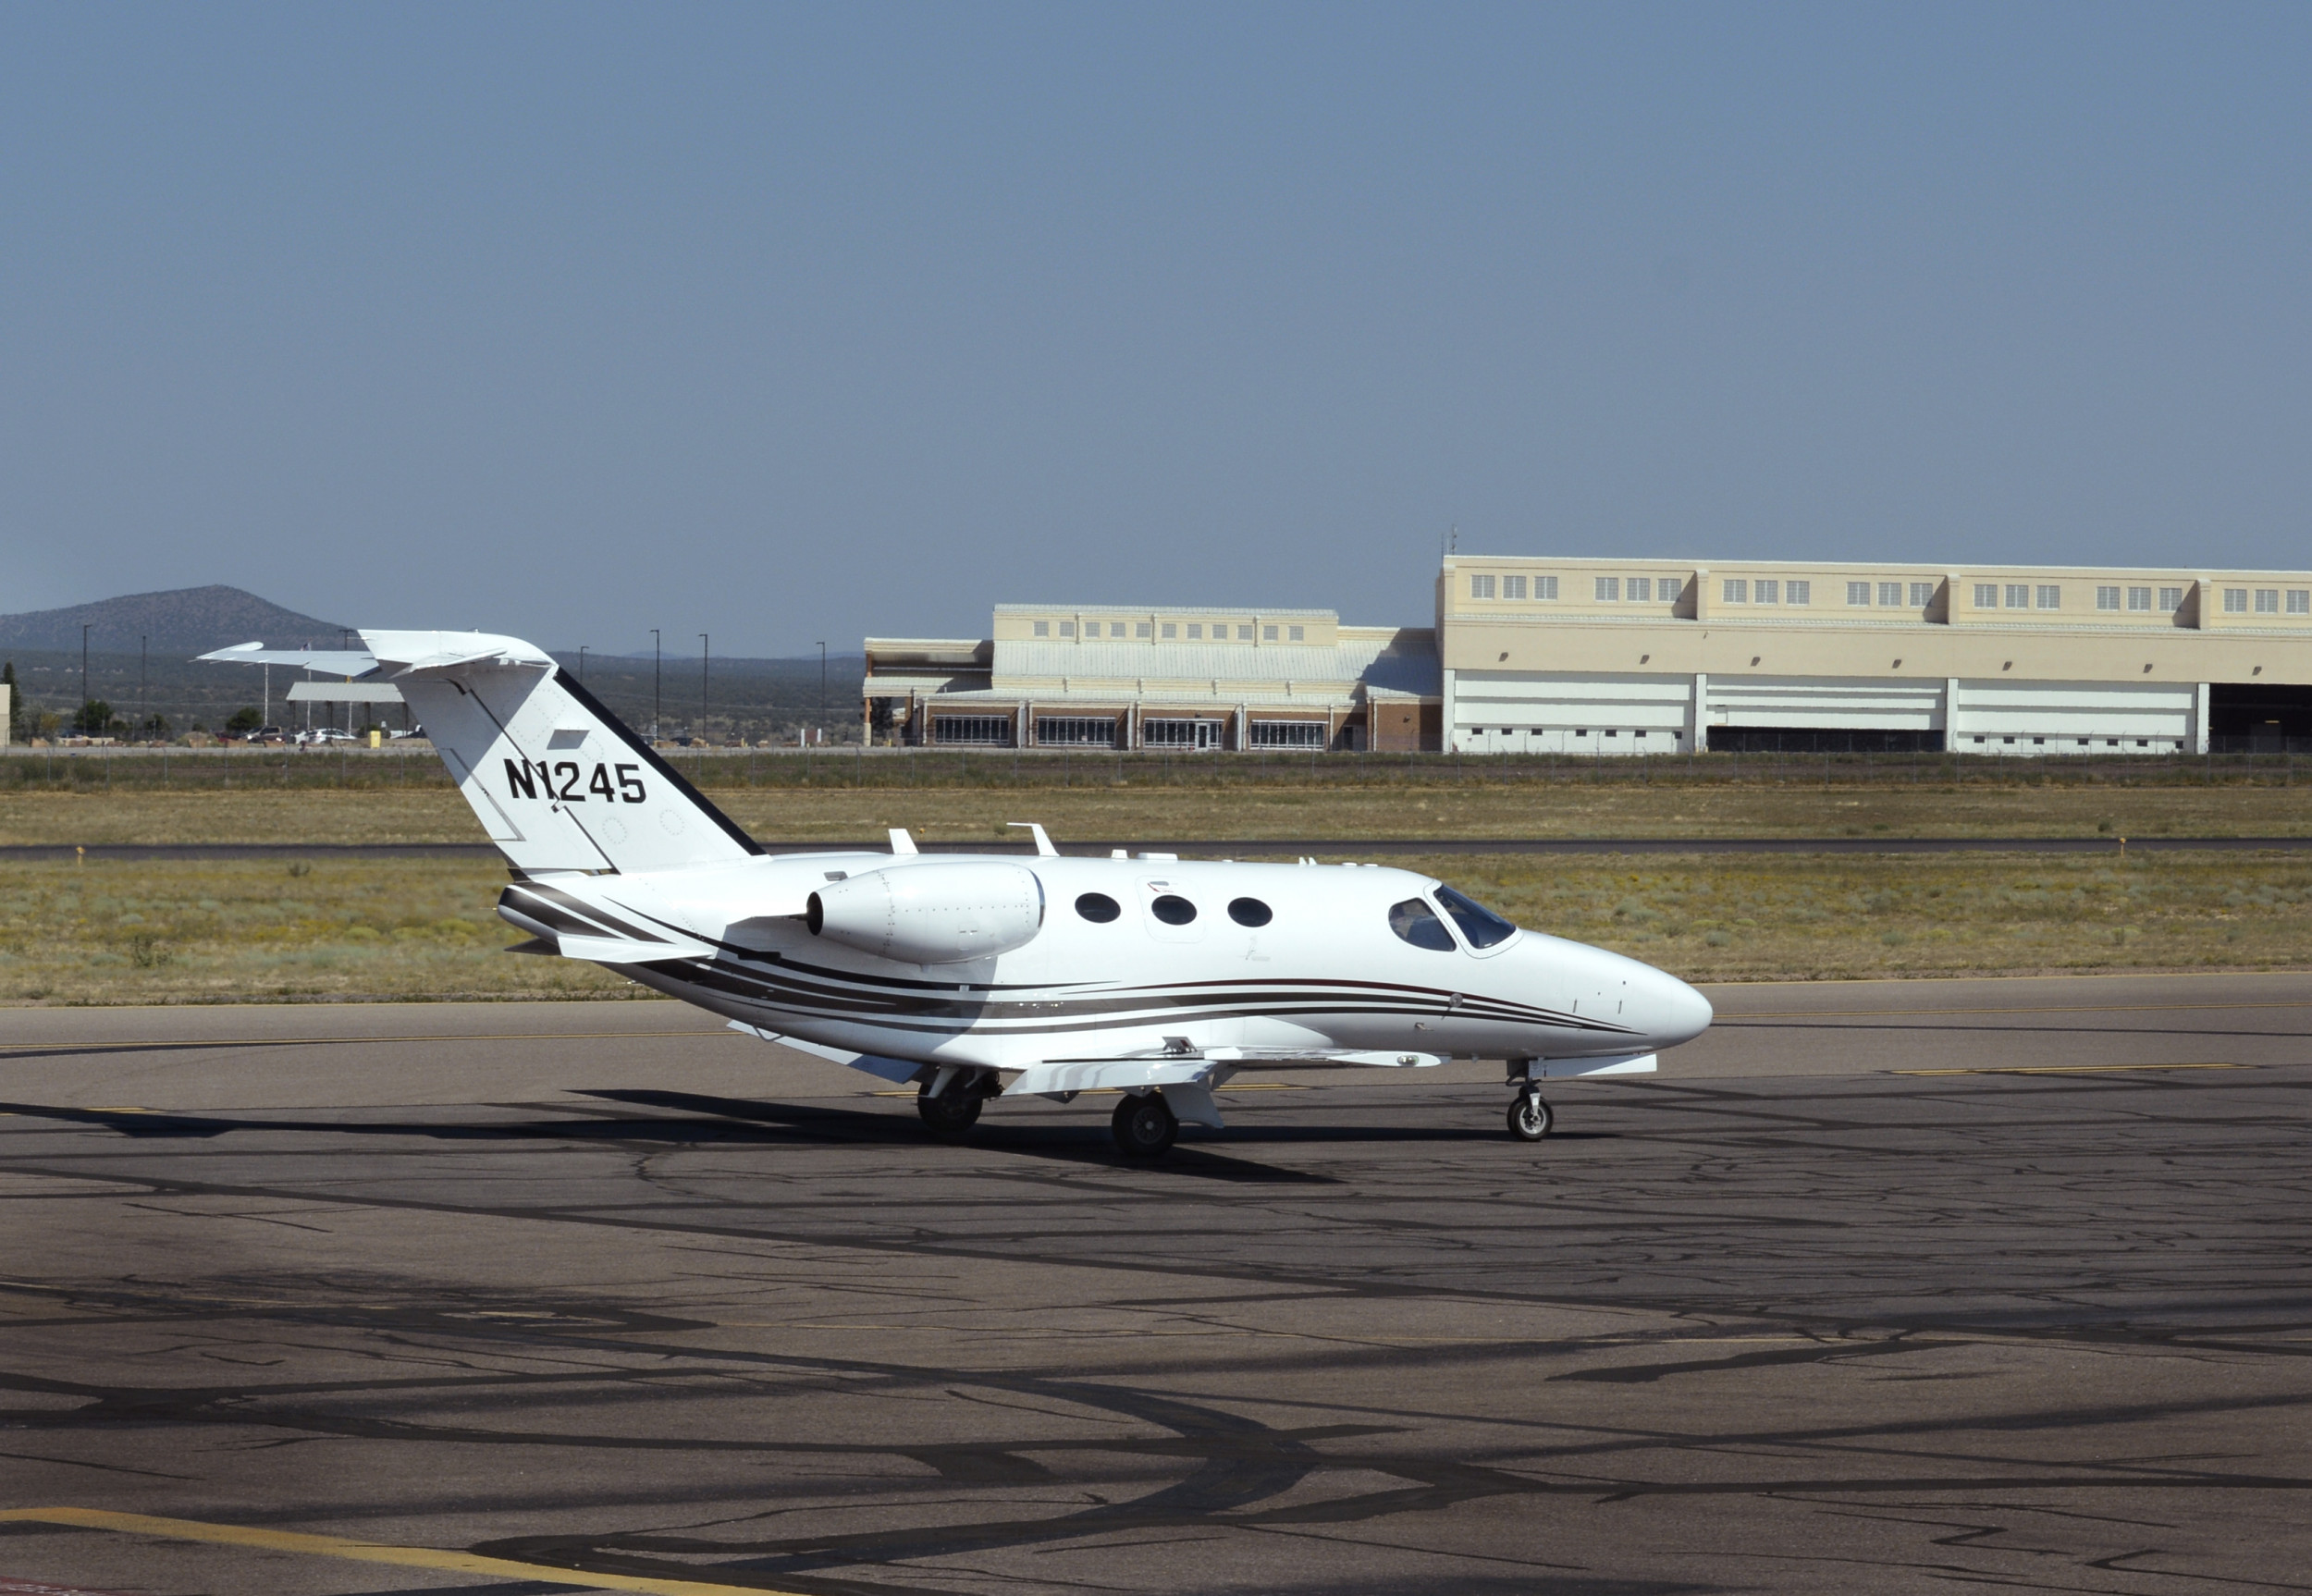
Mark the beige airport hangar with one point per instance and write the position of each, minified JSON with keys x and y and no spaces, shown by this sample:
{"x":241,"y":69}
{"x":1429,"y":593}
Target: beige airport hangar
{"x":1619,"y":657}
{"x":1190,"y":680}
{"x":1552,"y":655}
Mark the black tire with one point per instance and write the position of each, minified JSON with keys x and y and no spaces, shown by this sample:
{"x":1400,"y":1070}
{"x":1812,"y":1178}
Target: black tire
{"x":1145,"y":1126}
{"x":952,"y":1114}
{"x":1530,"y":1119}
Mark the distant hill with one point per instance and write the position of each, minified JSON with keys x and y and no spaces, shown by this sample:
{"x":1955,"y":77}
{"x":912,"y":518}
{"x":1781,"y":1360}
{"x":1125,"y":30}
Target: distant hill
{"x":183,"y":621}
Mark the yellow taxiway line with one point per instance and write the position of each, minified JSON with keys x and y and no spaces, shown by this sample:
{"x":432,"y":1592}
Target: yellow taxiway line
{"x":194,"y":1043}
{"x":364,"y":1550}
{"x":2064,"y":1068}
{"x":1734,"y":1018}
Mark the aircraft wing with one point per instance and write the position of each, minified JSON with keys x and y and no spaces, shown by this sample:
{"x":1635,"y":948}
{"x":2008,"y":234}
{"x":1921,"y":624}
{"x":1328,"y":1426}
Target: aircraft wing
{"x":1324,"y":1058}
{"x":1058,"y":1075}
{"x":1561,"y":1069}
{"x":899,"y":1072}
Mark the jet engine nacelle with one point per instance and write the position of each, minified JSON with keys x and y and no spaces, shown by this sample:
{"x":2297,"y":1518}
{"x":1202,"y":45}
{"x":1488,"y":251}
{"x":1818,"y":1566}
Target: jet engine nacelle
{"x":931,"y":914}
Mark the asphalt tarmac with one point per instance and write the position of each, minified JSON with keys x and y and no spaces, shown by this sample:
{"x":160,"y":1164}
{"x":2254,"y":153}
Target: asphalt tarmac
{"x":1883,"y":1286}
{"x":1252,"y":848}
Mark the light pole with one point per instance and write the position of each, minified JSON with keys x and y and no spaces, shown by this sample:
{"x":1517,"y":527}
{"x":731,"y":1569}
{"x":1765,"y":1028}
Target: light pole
{"x":654,"y":685}
{"x":142,"y":640}
{"x":822,"y":681}
{"x":83,"y":717}
{"x":702,"y":687}
{"x":581,"y":664}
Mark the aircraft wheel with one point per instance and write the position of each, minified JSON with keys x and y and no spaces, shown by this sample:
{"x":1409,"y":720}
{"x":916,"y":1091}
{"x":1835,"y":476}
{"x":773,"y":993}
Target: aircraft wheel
{"x":1144,"y":1126}
{"x":1530,"y":1117}
{"x":952,"y":1114}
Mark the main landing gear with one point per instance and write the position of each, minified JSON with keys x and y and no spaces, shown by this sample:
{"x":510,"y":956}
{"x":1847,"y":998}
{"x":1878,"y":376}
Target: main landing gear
{"x":1145,"y":1125}
{"x":950,"y":1114}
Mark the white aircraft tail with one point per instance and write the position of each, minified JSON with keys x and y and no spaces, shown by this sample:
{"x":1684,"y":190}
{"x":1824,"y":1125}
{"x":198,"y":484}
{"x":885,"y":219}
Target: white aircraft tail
{"x":558,"y":782}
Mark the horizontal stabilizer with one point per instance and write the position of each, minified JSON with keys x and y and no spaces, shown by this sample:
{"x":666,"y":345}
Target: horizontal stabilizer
{"x":329,"y":662}
{"x":579,"y":929}
{"x":619,"y":951}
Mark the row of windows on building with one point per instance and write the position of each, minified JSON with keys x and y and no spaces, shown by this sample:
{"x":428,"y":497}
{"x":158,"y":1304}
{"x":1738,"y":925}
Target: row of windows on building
{"x":1171,"y":631}
{"x":2268,"y":601}
{"x":1100,"y":731}
{"x":1544,"y":587}
{"x":2140,"y":600}
{"x":1665,"y":590}
{"x":1896,"y":595}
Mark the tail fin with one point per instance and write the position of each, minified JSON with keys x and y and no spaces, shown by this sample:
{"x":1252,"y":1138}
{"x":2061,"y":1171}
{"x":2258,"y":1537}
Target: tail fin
{"x":558,"y":782}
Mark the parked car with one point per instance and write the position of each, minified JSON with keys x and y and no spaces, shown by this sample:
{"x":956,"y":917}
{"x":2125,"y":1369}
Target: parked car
{"x":266,"y":734}
{"x":321,"y":734}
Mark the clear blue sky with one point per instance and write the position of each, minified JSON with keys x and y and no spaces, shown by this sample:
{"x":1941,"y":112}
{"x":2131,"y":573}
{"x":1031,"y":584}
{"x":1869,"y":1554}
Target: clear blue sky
{"x":790,"y":323}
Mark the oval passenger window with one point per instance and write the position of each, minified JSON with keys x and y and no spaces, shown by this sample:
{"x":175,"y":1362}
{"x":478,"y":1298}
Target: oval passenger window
{"x":1249,"y":912}
{"x":1098,"y":907}
{"x":1172,"y":910}
{"x":1417,"y":923}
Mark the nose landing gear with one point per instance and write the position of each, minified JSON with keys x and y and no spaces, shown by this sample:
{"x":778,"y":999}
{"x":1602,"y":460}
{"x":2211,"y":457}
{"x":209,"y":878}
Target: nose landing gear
{"x":1530,"y":1117}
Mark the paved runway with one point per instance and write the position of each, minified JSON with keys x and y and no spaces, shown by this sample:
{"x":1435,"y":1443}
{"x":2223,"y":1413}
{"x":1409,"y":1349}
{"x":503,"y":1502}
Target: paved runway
{"x":553,"y":1297}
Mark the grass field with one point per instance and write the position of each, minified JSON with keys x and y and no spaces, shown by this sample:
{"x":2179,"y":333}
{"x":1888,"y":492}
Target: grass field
{"x":269,"y":930}
{"x":92,"y":814}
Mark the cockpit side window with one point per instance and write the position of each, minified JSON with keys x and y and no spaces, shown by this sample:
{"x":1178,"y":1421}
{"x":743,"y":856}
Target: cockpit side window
{"x":1418,"y":924}
{"x":1479,"y":924}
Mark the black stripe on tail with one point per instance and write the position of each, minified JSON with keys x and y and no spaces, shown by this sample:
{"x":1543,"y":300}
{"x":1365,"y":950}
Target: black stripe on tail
{"x":667,"y":773}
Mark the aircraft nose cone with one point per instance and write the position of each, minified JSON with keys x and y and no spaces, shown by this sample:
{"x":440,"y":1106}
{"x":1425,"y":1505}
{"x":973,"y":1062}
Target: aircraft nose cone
{"x":1676,"y":1012}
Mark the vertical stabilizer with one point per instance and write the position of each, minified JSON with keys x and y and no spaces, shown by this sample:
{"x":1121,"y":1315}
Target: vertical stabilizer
{"x":557,"y":780}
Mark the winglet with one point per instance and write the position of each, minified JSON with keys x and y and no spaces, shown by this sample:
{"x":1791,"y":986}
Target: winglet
{"x":1044,"y":850}
{"x":902,"y":842}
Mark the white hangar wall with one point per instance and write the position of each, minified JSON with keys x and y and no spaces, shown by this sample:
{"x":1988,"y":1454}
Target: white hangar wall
{"x":1615,"y":658}
{"x":1577,"y":712}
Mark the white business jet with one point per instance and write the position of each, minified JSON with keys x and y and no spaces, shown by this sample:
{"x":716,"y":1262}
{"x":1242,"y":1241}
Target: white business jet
{"x":976,"y":978}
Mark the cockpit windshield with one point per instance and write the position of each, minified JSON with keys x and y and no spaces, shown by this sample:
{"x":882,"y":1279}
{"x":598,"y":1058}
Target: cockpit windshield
{"x":1479,"y":924}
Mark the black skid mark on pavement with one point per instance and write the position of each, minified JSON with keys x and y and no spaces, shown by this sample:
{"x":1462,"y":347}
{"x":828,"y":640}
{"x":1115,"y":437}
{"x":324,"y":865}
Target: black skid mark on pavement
{"x":1826,"y":1352}
{"x":1238,"y":1461}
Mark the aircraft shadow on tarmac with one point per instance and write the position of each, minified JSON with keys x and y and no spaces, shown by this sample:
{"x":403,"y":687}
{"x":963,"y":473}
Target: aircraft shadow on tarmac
{"x":700,"y":1120}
